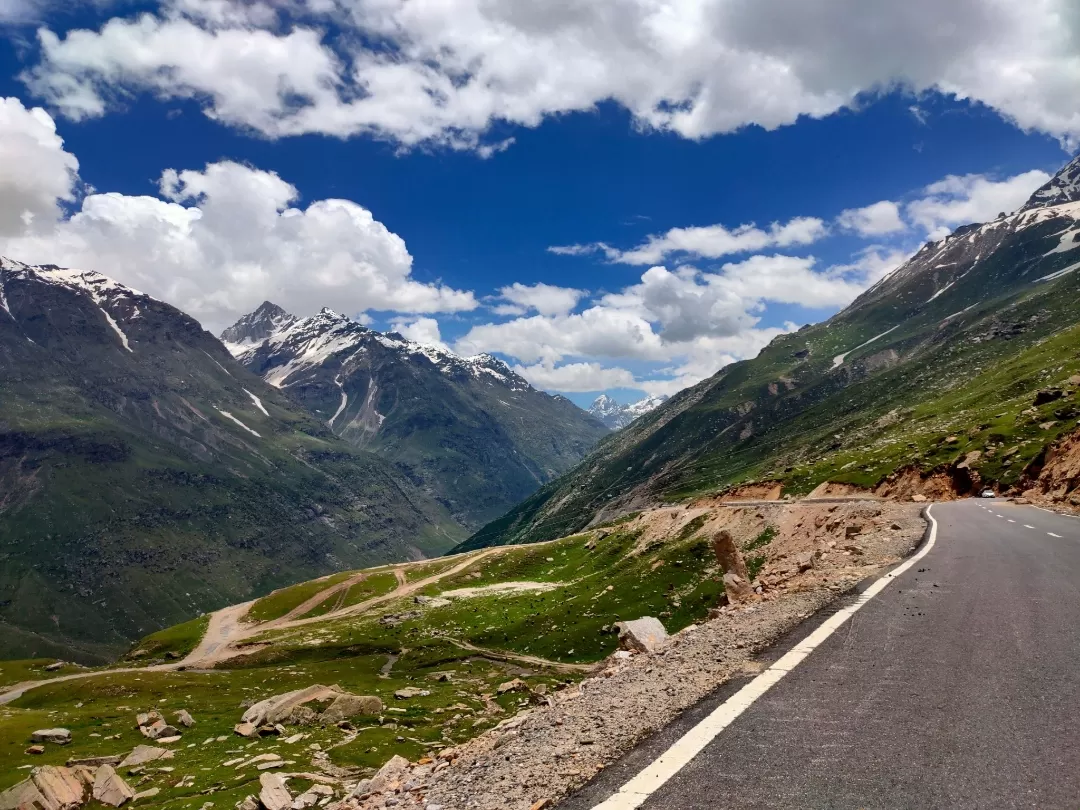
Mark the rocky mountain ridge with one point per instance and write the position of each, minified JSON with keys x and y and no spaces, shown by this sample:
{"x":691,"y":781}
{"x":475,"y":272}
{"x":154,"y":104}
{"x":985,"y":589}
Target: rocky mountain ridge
{"x":469,"y":431}
{"x":617,"y":416}
{"x":146,"y":476}
{"x":936,"y":374}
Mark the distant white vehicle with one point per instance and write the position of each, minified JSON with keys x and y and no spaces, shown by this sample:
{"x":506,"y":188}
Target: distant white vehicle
{"x":988,"y":493}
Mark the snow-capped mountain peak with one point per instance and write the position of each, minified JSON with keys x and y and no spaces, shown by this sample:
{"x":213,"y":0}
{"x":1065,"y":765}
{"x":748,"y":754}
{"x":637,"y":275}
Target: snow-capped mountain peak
{"x":256,"y":327}
{"x":1064,"y":187}
{"x":617,"y":416}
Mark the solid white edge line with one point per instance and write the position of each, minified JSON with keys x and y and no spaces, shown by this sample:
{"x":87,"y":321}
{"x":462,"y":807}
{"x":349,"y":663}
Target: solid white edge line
{"x":636,"y":791}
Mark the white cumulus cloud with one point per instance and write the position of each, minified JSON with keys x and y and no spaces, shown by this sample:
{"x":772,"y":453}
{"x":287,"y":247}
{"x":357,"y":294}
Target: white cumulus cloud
{"x":443,"y":73}
{"x":878,"y":219}
{"x":955,"y":201}
{"x":215,"y":242}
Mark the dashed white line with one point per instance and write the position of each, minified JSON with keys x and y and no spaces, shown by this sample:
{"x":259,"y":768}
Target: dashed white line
{"x":634,"y":793}
{"x":1011,"y":520}
{"x":1028,"y":527}
{"x":1054,"y":535}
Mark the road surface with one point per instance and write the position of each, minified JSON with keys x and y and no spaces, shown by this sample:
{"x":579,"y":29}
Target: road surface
{"x":957,"y":686}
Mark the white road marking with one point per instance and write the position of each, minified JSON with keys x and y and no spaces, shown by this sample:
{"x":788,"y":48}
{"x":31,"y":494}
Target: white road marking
{"x":1011,"y":520}
{"x":1028,"y":527}
{"x":1054,"y":535}
{"x":634,"y":793}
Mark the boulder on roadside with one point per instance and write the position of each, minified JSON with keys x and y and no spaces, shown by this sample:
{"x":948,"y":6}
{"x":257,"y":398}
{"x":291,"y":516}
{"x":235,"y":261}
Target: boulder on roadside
{"x":918,"y":498}
{"x":646,"y":634}
{"x":56,"y":736}
{"x":736,"y":576}
{"x":273,"y":794}
{"x":346,"y":705}
{"x":145,"y":753}
{"x":110,"y":789}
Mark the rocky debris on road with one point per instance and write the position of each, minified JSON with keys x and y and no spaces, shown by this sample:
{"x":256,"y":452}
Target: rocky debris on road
{"x":408,"y":692}
{"x":646,"y":634}
{"x":145,"y":753}
{"x":56,"y":736}
{"x":273,"y":794}
{"x":737,"y":586}
{"x":109,"y":788}
{"x":316,"y":704}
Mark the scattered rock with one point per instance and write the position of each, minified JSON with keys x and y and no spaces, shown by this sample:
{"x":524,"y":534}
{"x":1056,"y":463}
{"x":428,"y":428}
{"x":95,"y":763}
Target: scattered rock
{"x":60,"y":787}
{"x":110,"y":789}
{"x":56,"y":736}
{"x":346,"y":706}
{"x":248,"y":803}
{"x":55,"y":666}
{"x":184,"y":718}
{"x":36,"y":749}
{"x":245,"y":729}
{"x":159,"y":729}
{"x":95,"y":762}
{"x":147,"y":794}
{"x":541,"y":804}
{"x":646,"y":634}
{"x":516,"y":685}
{"x":804,"y":561}
{"x":146,"y":753}
{"x":394,"y":619}
{"x":431,"y":601}
{"x":290,"y":707}
{"x":274,"y":795}
{"x":918,"y":498}
{"x":411,"y":692}
{"x":388,"y":777}
{"x":1047,"y":395}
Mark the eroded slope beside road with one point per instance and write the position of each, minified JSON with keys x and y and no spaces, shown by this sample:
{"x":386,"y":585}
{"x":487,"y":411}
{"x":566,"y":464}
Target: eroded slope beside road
{"x":955,"y":687}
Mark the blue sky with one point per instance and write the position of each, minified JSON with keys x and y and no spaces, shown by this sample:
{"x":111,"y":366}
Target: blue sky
{"x":639,"y":182}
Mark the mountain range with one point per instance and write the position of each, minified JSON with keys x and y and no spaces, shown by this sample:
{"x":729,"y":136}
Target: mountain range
{"x":467,"y":431}
{"x":956,"y":371}
{"x":146,"y":476}
{"x":616,"y":416}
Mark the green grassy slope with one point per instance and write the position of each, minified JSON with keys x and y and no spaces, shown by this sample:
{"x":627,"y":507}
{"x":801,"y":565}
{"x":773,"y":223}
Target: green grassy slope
{"x":129,"y":500}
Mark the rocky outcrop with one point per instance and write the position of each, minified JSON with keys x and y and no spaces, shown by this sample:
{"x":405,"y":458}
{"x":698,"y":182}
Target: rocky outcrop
{"x":145,"y":753}
{"x":736,"y":576}
{"x":273,"y":795}
{"x":56,"y":736}
{"x":298,"y":707}
{"x":48,"y":788}
{"x":110,"y":789}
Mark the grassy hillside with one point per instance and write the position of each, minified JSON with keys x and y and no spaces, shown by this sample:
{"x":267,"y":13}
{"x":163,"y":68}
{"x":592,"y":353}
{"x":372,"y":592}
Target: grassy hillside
{"x":938,"y":368}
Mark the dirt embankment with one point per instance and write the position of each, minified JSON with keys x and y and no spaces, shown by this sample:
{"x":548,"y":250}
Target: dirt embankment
{"x":1054,"y":477}
{"x":759,"y":491}
{"x":816,"y":552}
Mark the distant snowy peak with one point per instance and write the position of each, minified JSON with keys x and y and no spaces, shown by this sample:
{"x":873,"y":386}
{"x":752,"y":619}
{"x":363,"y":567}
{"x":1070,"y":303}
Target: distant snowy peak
{"x":1063,"y":188}
{"x":617,"y":416}
{"x":256,"y":327}
{"x":310,"y":342}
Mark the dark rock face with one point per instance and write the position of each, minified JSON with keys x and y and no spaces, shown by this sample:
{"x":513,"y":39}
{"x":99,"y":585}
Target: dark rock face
{"x":135,"y":451}
{"x":257,"y":326}
{"x":467,"y":430}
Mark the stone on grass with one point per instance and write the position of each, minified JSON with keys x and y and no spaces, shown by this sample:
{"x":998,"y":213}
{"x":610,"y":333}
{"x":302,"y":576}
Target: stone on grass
{"x":245,"y":729}
{"x":410,"y":692}
{"x":36,"y":749}
{"x":273,"y":794}
{"x":516,"y":685}
{"x":159,"y":729}
{"x":57,"y":736}
{"x":146,"y":753}
{"x":646,"y":634}
{"x":184,"y":718}
{"x":388,"y":777}
{"x":60,"y":787}
{"x":147,"y":794}
{"x":110,"y":789}
{"x":346,"y":706}
{"x":54,"y":666}
{"x":24,"y":794}
{"x":279,"y":708}
{"x":248,"y":803}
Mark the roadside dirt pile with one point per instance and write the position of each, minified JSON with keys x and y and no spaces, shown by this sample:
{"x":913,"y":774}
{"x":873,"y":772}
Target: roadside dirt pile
{"x":805,"y":556}
{"x":1054,"y":478}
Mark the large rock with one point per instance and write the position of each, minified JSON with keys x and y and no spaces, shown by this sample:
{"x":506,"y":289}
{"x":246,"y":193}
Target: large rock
{"x":273,"y":793}
{"x":646,"y":634}
{"x":279,"y":708}
{"x":145,"y":753}
{"x":389,"y":777}
{"x":57,"y":736}
{"x":736,"y":576}
{"x":59,"y":787}
{"x":159,"y":729}
{"x":346,"y":706}
{"x":410,"y":692}
{"x":23,"y":795}
{"x":95,"y":762}
{"x":184,"y":718}
{"x":110,"y":789}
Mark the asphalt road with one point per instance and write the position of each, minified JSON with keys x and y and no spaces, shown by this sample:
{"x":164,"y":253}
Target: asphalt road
{"x":958,"y":686}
